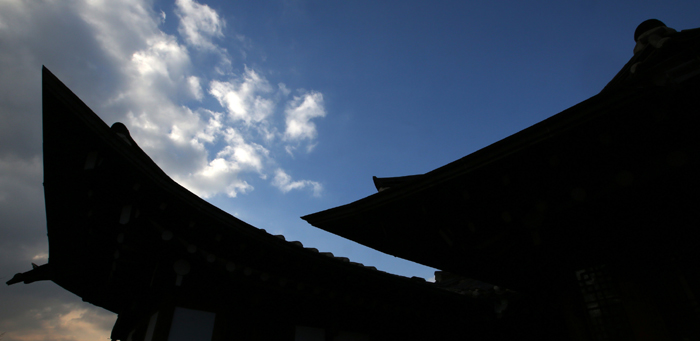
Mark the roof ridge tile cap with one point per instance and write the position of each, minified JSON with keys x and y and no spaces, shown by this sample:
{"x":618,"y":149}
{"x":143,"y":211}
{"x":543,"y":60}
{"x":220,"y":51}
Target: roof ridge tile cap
{"x":655,"y":37}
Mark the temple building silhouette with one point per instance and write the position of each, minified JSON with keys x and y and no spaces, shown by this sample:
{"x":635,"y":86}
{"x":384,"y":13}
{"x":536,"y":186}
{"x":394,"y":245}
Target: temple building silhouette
{"x":580,"y":227}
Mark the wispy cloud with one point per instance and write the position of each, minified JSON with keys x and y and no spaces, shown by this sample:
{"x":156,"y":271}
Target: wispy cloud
{"x":153,"y":80}
{"x":199,"y":24}
{"x":206,"y":151}
{"x":150,"y":84}
{"x":285,"y":183}
{"x":119,"y":59}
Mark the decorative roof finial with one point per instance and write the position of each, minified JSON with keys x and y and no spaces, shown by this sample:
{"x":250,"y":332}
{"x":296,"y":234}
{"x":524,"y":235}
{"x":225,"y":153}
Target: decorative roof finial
{"x":646,"y":26}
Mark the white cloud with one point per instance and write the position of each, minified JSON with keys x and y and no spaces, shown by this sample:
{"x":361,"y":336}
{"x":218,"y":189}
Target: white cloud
{"x":195,"y":87}
{"x":150,"y":73}
{"x":121,"y":27}
{"x":115,"y":56}
{"x":199,"y":23}
{"x":223,"y":173}
{"x":249,"y":155}
{"x":220,"y":174}
{"x":163,"y":57}
{"x":284,"y":182}
{"x":299,"y":113}
{"x":213,"y":128}
{"x":247,"y":98}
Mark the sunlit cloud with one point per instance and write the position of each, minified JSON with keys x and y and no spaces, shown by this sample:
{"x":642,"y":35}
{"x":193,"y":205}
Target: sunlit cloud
{"x":199,"y":23}
{"x":62,"y":322}
{"x":299,"y":113}
{"x":43,"y":256}
{"x":247,"y":98}
{"x":207,"y":152}
{"x":163,"y":57}
{"x":151,"y":81}
{"x":214,"y":128}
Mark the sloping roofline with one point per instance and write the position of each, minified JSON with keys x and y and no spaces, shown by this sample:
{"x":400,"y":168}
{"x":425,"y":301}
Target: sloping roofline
{"x":653,"y":70}
{"x":673,"y":65}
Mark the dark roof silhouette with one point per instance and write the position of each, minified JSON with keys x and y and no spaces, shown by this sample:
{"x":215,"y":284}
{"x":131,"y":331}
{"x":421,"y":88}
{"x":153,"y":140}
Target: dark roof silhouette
{"x":125,"y":237}
{"x":540,"y":196}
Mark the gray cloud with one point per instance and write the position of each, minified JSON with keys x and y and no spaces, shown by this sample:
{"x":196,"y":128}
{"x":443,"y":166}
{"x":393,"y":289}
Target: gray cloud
{"x":30,"y":35}
{"x":22,"y":231}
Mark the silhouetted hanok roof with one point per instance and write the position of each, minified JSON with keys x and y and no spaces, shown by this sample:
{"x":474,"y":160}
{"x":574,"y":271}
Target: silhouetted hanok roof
{"x":126,"y":237}
{"x":574,"y":189}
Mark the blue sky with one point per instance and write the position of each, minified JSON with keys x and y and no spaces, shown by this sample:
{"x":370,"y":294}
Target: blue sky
{"x":272,"y":110}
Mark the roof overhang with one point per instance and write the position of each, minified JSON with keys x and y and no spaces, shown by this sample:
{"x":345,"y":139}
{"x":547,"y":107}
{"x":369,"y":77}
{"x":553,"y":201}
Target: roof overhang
{"x":126,"y":237}
{"x":572,"y":188}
